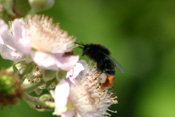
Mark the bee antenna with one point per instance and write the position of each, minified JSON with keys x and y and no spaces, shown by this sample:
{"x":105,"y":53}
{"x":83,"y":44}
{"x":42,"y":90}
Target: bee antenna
{"x":80,"y":43}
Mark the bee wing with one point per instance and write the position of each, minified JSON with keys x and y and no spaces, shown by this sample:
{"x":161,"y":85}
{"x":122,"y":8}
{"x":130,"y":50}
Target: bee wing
{"x":116,"y":63}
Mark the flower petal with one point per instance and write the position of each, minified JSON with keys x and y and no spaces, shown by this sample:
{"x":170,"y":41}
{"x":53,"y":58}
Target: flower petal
{"x":1,"y":44}
{"x":68,"y":114}
{"x":8,"y":52}
{"x":61,"y":96}
{"x":9,"y":40}
{"x":18,"y":28}
{"x":5,"y":35}
{"x":44,"y":60}
{"x":66,"y":63}
{"x":73,"y":73}
{"x":20,"y":33}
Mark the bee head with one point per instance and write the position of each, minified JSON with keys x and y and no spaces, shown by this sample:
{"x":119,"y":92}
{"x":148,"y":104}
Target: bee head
{"x":85,"y":47}
{"x":86,"y":50}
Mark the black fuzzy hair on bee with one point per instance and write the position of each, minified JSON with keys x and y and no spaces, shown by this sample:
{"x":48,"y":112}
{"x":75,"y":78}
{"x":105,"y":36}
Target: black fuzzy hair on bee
{"x":105,"y":63}
{"x":96,"y":52}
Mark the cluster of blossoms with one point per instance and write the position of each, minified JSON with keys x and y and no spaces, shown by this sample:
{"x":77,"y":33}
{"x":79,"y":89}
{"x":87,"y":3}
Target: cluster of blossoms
{"x":83,"y":96}
{"x":43,"y":59}
{"x":45,"y":72}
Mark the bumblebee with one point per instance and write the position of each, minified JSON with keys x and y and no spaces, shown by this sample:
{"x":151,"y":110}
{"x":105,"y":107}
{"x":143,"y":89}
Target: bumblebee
{"x":105,"y":63}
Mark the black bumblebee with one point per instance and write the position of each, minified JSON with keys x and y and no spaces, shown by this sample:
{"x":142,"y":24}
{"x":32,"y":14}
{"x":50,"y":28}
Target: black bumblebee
{"x":105,"y":63}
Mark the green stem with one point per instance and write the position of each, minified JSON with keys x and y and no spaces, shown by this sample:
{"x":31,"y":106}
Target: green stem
{"x":36,"y":101}
{"x":51,"y":81}
{"x":33,"y":87}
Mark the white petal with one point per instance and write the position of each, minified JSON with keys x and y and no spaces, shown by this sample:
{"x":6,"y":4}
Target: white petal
{"x":19,"y":29}
{"x":66,"y":63}
{"x":61,"y":96}
{"x":10,"y":54}
{"x":44,"y":60}
{"x":73,"y":73}
{"x":20,"y":33}
{"x":85,"y":65}
{"x":5,"y":35}
{"x":1,"y":44}
{"x":68,"y":114}
{"x":1,"y":41}
{"x":9,"y":40}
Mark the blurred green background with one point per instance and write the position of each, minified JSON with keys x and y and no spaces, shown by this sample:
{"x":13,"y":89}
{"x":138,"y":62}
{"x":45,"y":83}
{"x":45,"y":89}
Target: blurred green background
{"x":140,"y":36}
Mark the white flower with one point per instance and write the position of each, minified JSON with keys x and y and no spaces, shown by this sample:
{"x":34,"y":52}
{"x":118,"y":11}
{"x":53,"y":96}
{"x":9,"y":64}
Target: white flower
{"x":84,"y":97}
{"x":37,"y":37}
{"x":62,"y":90}
{"x":45,"y":36}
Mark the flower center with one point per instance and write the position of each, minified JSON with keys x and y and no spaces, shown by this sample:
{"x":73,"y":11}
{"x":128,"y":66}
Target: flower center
{"x":47,"y":37}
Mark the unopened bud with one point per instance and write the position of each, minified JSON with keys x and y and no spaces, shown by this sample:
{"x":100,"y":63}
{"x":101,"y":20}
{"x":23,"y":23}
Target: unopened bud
{"x":40,"y":5}
{"x":10,"y":89}
{"x":48,"y":75}
{"x":8,"y":5}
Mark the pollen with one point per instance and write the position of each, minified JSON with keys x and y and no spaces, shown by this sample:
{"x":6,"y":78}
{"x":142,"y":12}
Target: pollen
{"x":89,"y":98}
{"x":48,"y":37}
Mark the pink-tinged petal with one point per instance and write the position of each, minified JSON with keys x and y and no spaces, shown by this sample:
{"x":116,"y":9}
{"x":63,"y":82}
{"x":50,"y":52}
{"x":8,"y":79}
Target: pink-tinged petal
{"x":1,"y":44}
{"x":18,"y":28}
{"x":1,"y":41}
{"x":66,"y":62}
{"x":62,"y":91}
{"x":85,"y":65}
{"x":68,"y":114}
{"x":20,"y":33}
{"x":5,"y":35}
{"x":73,"y":73}
{"x":9,"y":40}
{"x":44,"y":60}
{"x":10,"y":54}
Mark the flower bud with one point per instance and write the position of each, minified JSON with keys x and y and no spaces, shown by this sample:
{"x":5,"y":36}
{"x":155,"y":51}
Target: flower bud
{"x":8,"y":5}
{"x":10,"y":89}
{"x":48,"y":75}
{"x":40,"y":5}
{"x":48,"y":100}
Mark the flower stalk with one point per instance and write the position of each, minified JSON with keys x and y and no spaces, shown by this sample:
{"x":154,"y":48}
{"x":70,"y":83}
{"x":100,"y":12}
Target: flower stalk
{"x":36,"y":101}
{"x":34,"y":86}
